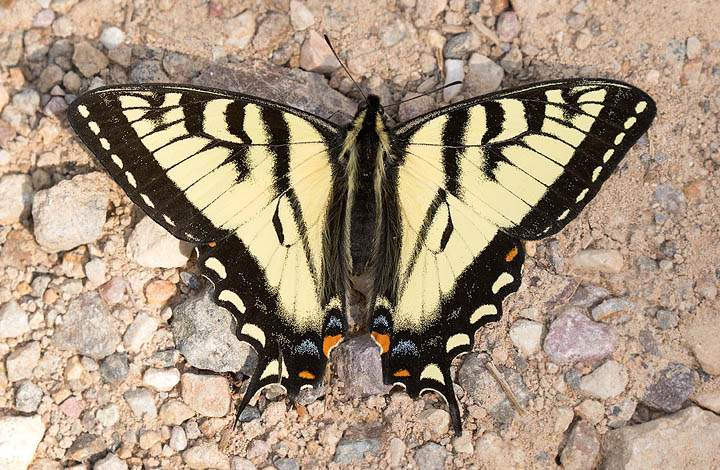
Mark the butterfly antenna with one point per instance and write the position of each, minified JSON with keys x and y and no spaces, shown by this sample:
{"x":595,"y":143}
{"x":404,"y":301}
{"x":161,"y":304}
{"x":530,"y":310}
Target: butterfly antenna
{"x":327,"y":40}
{"x":425,"y":94}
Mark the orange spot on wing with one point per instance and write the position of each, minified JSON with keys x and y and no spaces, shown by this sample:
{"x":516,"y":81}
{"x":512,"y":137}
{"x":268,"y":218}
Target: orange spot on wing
{"x":330,"y":342}
{"x":511,"y":254}
{"x":306,"y":375}
{"x":212,"y":244}
{"x":382,"y":340}
{"x":402,"y":373}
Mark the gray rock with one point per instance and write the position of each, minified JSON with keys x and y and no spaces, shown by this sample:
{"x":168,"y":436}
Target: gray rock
{"x":27,"y":102}
{"x":573,"y":337}
{"x":178,"y":439}
{"x":393,"y":34}
{"x":20,"y":363}
{"x":646,"y":263}
{"x":610,"y":307}
{"x":483,"y":75}
{"x":20,"y":436}
{"x":589,"y":296}
{"x":141,"y":402}
{"x":112,"y":37}
{"x":95,"y":270}
{"x":582,"y":448}
{"x":666,"y":319}
{"x":671,"y":388}
{"x":431,"y":456}
{"x":241,"y":463}
{"x":110,"y":462}
{"x":55,"y":106}
{"x":87,"y":328}
{"x":618,"y":415}
{"x":206,"y":455}
{"x":286,"y":464}
{"x":85,"y":447}
{"x":13,"y":320}
{"x":248,"y":414}
{"x":415,"y":107}
{"x":152,"y":246}
{"x":49,"y":77}
{"x":88,"y":60}
{"x":356,"y":446}
{"x":71,"y":213}
{"x":114,"y":369}
{"x":300,"y":17}
{"x":44,"y":18}
{"x":358,"y":365}
{"x":148,"y":71}
{"x":670,"y":198}
{"x":140,"y":331}
{"x":27,"y":396}
{"x":512,"y":62}
{"x":179,"y":66}
{"x":687,"y":439}
{"x":458,"y":46}
{"x":271,"y":31}
{"x":204,"y":335}
{"x":454,"y":72}
{"x":607,"y":381}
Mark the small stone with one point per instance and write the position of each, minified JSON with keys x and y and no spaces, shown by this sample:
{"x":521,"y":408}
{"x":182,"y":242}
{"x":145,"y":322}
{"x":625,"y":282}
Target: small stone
{"x":240,"y":463}
{"x":687,"y":439}
{"x":671,"y":388}
{"x":589,"y":296}
{"x":512,"y":62}
{"x":396,"y":449}
{"x":463,"y":444}
{"x":429,"y":9}
{"x":582,"y":449}
{"x":13,"y":320}
{"x":114,"y":369}
{"x":707,"y":288}
{"x":431,"y":456}
{"x":87,"y":328}
{"x":563,"y":417}
{"x":702,"y":336}
{"x":666,"y":319}
{"x":110,"y":462}
{"x":27,"y":102}
{"x":693,"y":47}
{"x":251,"y":412}
{"x":610,"y":307}
{"x":178,"y":439}
{"x":620,"y":414}
{"x":417,"y":106}
{"x":508,"y":26}
{"x":206,"y":455}
{"x":316,"y":56}
{"x":458,"y":46}
{"x":27,"y":396}
{"x":258,"y":449}
{"x":691,"y":72}
{"x":149,"y":439}
{"x":436,"y":422}
{"x":140,"y":331}
{"x":44,"y":18}
{"x":483,"y":76}
{"x":300,"y":17}
{"x":454,"y":72}
{"x":353,"y":450}
{"x":108,"y":415}
{"x":88,"y":60}
{"x":708,"y":400}
{"x":113,"y":290}
{"x":670,"y":198}
{"x":208,"y":395}
{"x":175,"y":412}
{"x":573,"y":337}
{"x":19,"y":438}
{"x":607,"y":381}
{"x":286,"y":464}
{"x":592,"y":410}
{"x":526,"y":336}
{"x":141,"y":402}
{"x":148,"y":71}
{"x":393,"y":33}
{"x":240,"y":29}
{"x":20,"y":363}
{"x":159,"y":291}
{"x":95,"y":270}
{"x":162,"y":380}
{"x":646,"y":263}
{"x":62,"y":27}
{"x":358,"y":366}
{"x":85,"y":447}
{"x":112,"y":37}
{"x":16,"y":193}
{"x":49,"y":77}
{"x":583,"y":40}
{"x":152,"y":246}
{"x":602,"y":260}
{"x":121,"y":55}
{"x":71,"y":213}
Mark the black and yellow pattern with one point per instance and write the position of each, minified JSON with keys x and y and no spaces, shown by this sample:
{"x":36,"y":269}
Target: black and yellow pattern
{"x":286,"y":206}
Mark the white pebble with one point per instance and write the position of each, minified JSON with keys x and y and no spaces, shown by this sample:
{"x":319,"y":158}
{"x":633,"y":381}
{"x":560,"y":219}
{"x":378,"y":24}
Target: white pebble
{"x":112,"y":37}
{"x":454,"y":72}
{"x":162,"y":379}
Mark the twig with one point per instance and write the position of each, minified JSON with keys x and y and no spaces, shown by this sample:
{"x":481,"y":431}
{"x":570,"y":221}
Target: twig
{"x":511,"y":396}
{"x":484,"y":30}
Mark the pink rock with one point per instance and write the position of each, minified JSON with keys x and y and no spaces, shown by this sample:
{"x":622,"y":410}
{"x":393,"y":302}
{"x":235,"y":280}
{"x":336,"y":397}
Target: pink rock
{"x":72,"y":408}
{"x":508,"y":26}
{"x":573,"y":337}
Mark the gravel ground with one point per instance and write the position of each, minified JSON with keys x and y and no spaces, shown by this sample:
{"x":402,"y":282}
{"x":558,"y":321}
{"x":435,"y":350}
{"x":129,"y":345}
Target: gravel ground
{"x":112,"y":357}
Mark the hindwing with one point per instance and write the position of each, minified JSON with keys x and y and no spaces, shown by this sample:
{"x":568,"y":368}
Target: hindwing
{"x":251,"y":182}
{"x":473,"y":180}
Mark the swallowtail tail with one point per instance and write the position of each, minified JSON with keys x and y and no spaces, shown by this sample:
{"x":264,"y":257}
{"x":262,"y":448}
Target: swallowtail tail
{"x":285,"y":206}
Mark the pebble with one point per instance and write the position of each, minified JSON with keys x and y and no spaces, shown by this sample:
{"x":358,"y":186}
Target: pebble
{"x":463,"y":444}
{"x":300,"y":17}
{"x":162,"y":380}
{"x":610,"y":307}
{"x":110,"y":462}
{"x":591,"y":410}
{"x":666,"y":319}
{"x":27,"y":102}
{"x":707,"y":288}
{"x":86,"y":446}
{"x":147,"y":71}
{"x":396,"y":451}
{"x":95,"y":270}
{"x":141,"y":402}
{"x":526,"y":335}
{"x":429,"y":9}
{"x":619,"y":414}
{"x":602,"y":260}
{"x":175,"y":412}
{"x":208,"y":395}
{"x":393,"y":33}
{"x":71,"y":213}
{"x":148,"y":439}
{"x":607,"y":381}
{"x":458,"y":46}
{"x":204,"y":335}
{"x":286,"y":464}
{"x":13,"y":320}
{"x":121,"y":55}
{"x":512,"y":62}
{"x":692,"y":435}
{"x":573,"y":337}
{"x":588,"y":296}
{"x":113,"y":290}
{"x":669,"y":197}
{"x":431,"y":456}
{"x":87,"y":328}
{"x":44,"y":18}
{"x":206,"y":455}
{"x":112,"y":37}
{"x":114,"y":369}
{"x":27,"y":396}
{"x":670,"y":389}
{"x":483,"y":76}
{"x":359,"y":367}
{"x":693,"y":47}
{"x":454,"y":72}
{"x":258,"y":449}
{"x":240,"y":463}
{"x":708,"y":400}
{"x":5,"y":155}
{"x":140,"y":331}
{"x":492,"y":452}
{"x":436,"y":422}
{"x":152,"y":246}
{"x":240,"y":29}
{"x":582,"y":448}
{"x":62,"y":27}
{"x":563,"y":417}
{"x":88,"y":60}
{"x":507,"y":26}
{"x":583,"y":40}
{"x":159,"y":291}
{"x":702,"y":336}
{"x":178,"y":439}
{"x":353,"y":450}
{"x":274,"y":413}
{"x":19,"y":437}
{"x":108,"y":415}
{"x":316,"y":56}
{"x":415,"y":107}
{"x":19,"y":364}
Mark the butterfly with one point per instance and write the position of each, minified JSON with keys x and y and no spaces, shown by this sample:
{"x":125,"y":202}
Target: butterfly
{"x":285,"y":207}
